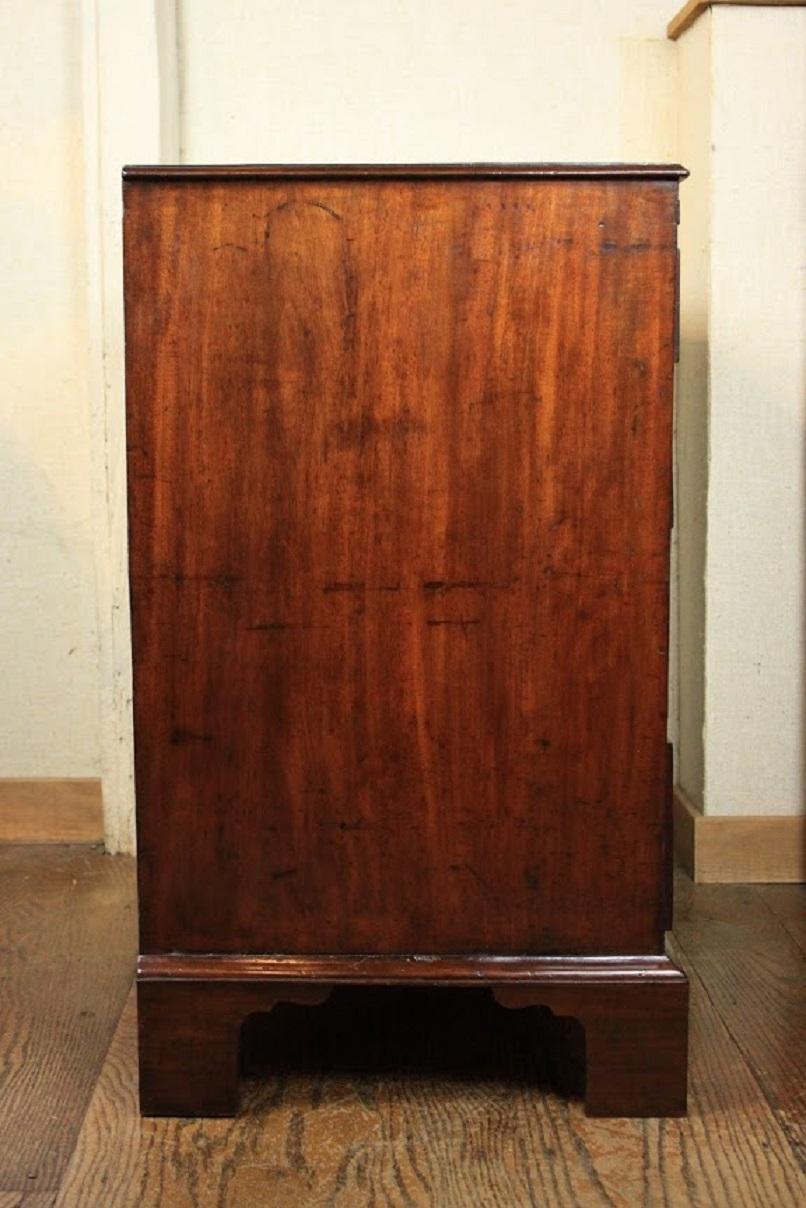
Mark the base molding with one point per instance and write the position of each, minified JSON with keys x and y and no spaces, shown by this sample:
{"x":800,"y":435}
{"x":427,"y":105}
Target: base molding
{"x":413,"y":970}
{"x":730,"y":849}
{"x":51,"y":811}
{"x":633,"y":1009}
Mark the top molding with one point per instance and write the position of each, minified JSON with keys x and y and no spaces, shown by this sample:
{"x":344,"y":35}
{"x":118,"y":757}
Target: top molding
{"x":229,"y":172}
{"x":691,"y":11}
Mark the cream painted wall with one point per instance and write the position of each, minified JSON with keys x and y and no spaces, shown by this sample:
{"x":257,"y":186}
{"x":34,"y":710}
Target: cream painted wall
{"x":754,"y":648}
{"x":742,"y":411}
{"x":48,"y":637}
{"x":694,"y":149}
{"x":130,"y":114}
{"x":418,"y":80}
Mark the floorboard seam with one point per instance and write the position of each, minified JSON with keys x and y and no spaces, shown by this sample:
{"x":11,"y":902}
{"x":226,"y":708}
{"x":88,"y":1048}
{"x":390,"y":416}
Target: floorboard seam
{"x":102,"y":1063}
{"x":777,"y":1114}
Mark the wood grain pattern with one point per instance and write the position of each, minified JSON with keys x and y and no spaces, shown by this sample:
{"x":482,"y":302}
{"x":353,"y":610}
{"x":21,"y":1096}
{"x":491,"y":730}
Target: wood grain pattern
{"x":67,"y":933}
{"x":29,"y":1199}
{"x":724,"y":849}
{"x":403,"y":1097}
{"x":788,"y":904}
{"x":399,"y":469}
{"x":385,"y":1096}
{"x":51,"y":811}
{"x":189,"y":1037}
{"x":636,"y":1041}
{"x":634,"y":1014}
{"x":755,"y":974}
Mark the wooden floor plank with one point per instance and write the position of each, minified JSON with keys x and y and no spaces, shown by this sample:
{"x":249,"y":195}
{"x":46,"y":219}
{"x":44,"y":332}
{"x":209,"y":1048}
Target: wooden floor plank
{"x":755,"y":975}
{"x":321,"y":1129}
{"x":67,"y":931}
{"x":788,"y":904}
{"x":30,"y":1199}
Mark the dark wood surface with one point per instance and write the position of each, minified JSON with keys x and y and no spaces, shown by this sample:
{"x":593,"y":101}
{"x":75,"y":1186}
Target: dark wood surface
{"x":470,"y":171}
{"x":400,"y":1097}
{"x":597,"y":971}
{"x":67,"y":940}
{"x":399,"y":474}
{"x":189,"y":1037}
{"x":635,"y":1026}
{"x":633,"y":1012}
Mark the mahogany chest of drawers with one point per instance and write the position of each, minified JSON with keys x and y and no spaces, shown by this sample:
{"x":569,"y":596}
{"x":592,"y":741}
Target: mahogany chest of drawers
{"x":399,"y":467}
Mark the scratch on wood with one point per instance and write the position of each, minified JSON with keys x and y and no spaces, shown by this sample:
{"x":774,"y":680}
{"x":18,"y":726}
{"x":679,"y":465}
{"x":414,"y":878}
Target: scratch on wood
{"x":452,"y":621}
{"x":179,"y":737}
{"x":280,"y":874}
{"x":456,"y":585}
{"x":266,"y":626}
{"x":346,"y":585}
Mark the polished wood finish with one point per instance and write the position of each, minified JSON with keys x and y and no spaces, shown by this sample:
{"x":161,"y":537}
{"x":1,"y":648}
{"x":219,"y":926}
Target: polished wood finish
{"x":176,"y":1078}
{"x":412,"y":970}
{"x":634,"y":1014}
{"x":368,"y":575}
{"x":636,"y":1039}
{"x":399,"y":501}
{"x":478,"y":171}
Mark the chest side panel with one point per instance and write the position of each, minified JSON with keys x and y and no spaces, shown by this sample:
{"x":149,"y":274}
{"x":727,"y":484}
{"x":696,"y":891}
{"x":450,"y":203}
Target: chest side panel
{"x":399,"y":506}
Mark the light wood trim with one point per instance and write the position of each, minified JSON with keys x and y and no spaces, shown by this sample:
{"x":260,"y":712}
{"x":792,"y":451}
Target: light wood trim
{"x":733,"y":849}
{"x":691,"y":11}
{"x":51,"y":811}
{"x":685,"y":817}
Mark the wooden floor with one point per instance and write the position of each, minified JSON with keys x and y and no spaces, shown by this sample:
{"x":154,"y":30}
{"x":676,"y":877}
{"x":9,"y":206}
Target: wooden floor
{"x":382,"y":1097}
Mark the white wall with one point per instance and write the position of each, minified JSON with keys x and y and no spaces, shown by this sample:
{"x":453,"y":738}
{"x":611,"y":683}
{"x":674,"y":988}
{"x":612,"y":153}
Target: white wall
{"x":694,"y":149}
{"x":754,"y":648}
{"x":48,"y":640}
{"x":422,"y":80}
{"x":742,"y":411}
{"x":130,"y":114}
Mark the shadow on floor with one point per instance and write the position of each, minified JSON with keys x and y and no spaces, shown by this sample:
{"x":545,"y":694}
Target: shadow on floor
{"x":454,"y":1034}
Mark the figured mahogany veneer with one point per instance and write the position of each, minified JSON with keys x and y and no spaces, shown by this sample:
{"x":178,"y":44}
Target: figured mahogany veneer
{"x":399,"y":446}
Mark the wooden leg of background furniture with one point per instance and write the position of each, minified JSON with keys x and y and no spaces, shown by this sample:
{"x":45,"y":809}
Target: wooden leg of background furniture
{"x":189,"y":1034}
{"x":636,"y":1040}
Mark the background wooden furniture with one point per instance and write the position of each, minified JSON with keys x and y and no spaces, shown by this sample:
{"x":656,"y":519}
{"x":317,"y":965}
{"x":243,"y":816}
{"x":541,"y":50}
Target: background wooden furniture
{"x":399,"y":451}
